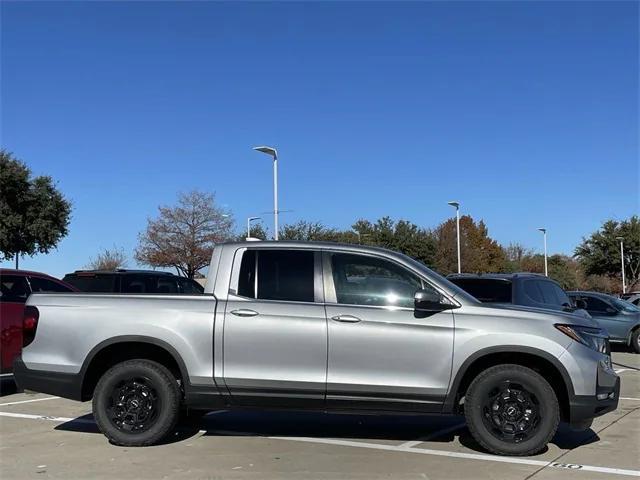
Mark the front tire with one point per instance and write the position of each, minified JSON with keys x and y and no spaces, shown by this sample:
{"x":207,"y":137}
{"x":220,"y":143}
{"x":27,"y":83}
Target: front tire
{"x":136,"y":403}
{"x":511,"y":410}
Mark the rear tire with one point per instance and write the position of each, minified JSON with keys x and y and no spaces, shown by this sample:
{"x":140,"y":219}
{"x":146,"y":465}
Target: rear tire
{"x":635,"y":340}
{"x":511,"y":410}
{"x":136,"y":403}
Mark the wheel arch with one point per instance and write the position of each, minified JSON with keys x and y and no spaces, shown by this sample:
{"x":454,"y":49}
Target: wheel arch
{"x":538,"y":360}
{"x":126,"y":347}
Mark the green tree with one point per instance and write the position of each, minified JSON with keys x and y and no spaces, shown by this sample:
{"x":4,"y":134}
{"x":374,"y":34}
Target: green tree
{"x":308,"y":231}
{"x":599,"y":254}
{"x":34,"y":214}
{"x":402,"y":236}
{"x":479,"y":252}
{"x":183,"y":236}
{"x":257,"y":231}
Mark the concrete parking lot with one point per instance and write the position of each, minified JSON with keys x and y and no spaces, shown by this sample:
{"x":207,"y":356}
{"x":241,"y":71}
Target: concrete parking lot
{"x":48,"y":437}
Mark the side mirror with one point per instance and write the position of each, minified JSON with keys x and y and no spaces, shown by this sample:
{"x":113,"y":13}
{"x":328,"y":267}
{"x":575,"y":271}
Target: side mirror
{"x":430,"y":301}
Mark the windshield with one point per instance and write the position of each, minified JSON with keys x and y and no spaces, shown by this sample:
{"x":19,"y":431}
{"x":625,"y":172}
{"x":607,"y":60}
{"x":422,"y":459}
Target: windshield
{"x":624,"y":305}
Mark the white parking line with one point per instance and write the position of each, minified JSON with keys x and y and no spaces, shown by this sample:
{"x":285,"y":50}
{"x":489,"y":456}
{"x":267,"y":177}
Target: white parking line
{"x":469,"y":456}
{"x":621,"y":370}
{"x":28,"y":401}
{"x":433,"y":435}
{"x":629,"y":398}
{"x":45,"y":417}
{"x":393,"y":448}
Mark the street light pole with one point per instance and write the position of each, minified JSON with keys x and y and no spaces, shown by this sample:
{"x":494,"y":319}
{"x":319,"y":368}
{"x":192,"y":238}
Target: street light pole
{"x":624,"y":284}
{"x":456,"y":205}
{"x":274,"y":154}
{"x":249,"y":220}
{"x":544,"y":234}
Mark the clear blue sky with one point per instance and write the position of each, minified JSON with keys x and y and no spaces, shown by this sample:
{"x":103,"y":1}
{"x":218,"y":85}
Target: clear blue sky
{"x":525,"y":112}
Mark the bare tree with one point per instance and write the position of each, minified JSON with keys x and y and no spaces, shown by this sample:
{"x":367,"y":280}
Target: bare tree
{"x":183,"y":236}
{"x":109,"y":259}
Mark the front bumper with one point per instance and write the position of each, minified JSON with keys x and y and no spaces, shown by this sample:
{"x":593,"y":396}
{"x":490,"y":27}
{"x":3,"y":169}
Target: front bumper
{"x":585,"y":407}
{"x":65,"y":385}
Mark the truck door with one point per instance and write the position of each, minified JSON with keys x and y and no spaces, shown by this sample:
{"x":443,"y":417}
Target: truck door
{"x":382,"y":353}
{"x":275,"y":329}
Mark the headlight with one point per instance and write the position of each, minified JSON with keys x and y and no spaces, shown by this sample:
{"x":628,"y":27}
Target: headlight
{"x":594,"y":338}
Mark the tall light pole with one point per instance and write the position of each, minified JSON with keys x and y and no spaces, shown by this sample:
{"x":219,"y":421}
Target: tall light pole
{"x":544,"y":234}
{"x":273,"y":153}
{"x":249,"y":220}
{"x":456,"y":205}
{"x":624,"y":284}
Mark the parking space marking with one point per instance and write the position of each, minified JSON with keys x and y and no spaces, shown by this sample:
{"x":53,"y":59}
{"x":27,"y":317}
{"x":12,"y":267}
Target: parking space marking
{"x":45,"y":417}
{"x":629,"y":398}
{"x":433,"y":435}
{"x":468,"y":456}
{"x":403,"y":448}
{"x":28,"y":401}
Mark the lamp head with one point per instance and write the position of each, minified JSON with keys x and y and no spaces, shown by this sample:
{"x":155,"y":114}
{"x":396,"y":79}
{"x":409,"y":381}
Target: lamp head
{"x":454,"y":204}
{"x":268,"y":150}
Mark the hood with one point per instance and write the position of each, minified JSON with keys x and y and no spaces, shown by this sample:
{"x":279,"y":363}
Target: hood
{"x":578,"y":317}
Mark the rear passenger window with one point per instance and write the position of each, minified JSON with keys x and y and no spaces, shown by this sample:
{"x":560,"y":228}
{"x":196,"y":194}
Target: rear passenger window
{"x":14,"y":289}
{"x":45,"y":285}
{"x":285,"y":275}
{"x":532,"y":291}
{"x":133,"y":284}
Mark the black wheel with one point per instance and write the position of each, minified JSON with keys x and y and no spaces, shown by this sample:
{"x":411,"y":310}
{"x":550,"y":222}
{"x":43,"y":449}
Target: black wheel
{"x":511,"y":410}
{"x":136,"y":403}
{"x":635,"y":340}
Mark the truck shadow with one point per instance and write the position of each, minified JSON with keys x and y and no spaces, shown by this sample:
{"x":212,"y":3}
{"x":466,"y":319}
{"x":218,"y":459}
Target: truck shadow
{"x":364,"y":428}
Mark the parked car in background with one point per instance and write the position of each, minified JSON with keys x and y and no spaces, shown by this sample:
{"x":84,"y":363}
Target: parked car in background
{"x":526,"y":289}
{"x":631,"y":297}
{"x":132,"y":281}
{"x":320,"y":326}
{"x":15,"y":288}
{"x":619,"y":317}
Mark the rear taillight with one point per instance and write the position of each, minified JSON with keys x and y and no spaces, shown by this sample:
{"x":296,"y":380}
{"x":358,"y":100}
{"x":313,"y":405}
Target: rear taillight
{"x":29,"y":324}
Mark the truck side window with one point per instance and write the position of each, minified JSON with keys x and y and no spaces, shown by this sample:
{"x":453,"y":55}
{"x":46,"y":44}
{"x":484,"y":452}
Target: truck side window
{"x":14,"y":289}
{"x":285,"y":275}
{"x":45,"y":285}
{"x":532,"y":291}
{"x":365,"y":280}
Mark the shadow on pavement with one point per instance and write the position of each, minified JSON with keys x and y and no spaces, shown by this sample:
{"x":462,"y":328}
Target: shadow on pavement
{"x":342,"y":426}
{"x":7,"y":386}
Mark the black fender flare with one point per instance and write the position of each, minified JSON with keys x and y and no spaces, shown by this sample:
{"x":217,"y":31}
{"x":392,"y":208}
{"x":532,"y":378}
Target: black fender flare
{"x":134,"y":339}
{"x":450,"y":400}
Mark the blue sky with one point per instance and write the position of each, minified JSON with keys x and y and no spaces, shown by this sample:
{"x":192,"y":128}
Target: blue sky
{"x":525,"y":112}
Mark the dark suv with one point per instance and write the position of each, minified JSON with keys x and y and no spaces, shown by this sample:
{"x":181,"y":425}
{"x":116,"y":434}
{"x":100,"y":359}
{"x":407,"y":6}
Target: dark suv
{"x":132,"y":281}
{"x":526,"y":289}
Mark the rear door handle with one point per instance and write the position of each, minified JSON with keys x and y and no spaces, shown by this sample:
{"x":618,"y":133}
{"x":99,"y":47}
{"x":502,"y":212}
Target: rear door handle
{"x":346,"y":318}
{"x":244,"y":312}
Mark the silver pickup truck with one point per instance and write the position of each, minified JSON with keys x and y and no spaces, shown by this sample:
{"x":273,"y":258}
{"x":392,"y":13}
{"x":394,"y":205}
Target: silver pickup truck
{"x":319,"y":326}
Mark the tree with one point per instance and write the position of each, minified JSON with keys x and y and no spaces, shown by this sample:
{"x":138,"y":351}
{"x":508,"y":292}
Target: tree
{"x":308,"y":231}
{"x":479,"y":252}
{"x":402,"y":236}
{"x":257,"y":231}
{"x":34,"y":215}
{"x":109,"y":259}
{"x":599,"y":254}
{"x":183,"y":236}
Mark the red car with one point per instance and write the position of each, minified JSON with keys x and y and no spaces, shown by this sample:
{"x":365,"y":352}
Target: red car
{"x":15,"y":287}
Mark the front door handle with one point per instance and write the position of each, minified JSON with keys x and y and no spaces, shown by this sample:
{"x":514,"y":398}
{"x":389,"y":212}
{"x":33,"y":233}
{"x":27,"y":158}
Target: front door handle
{"x":244,"y":312}
{"x":346,"y":318}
